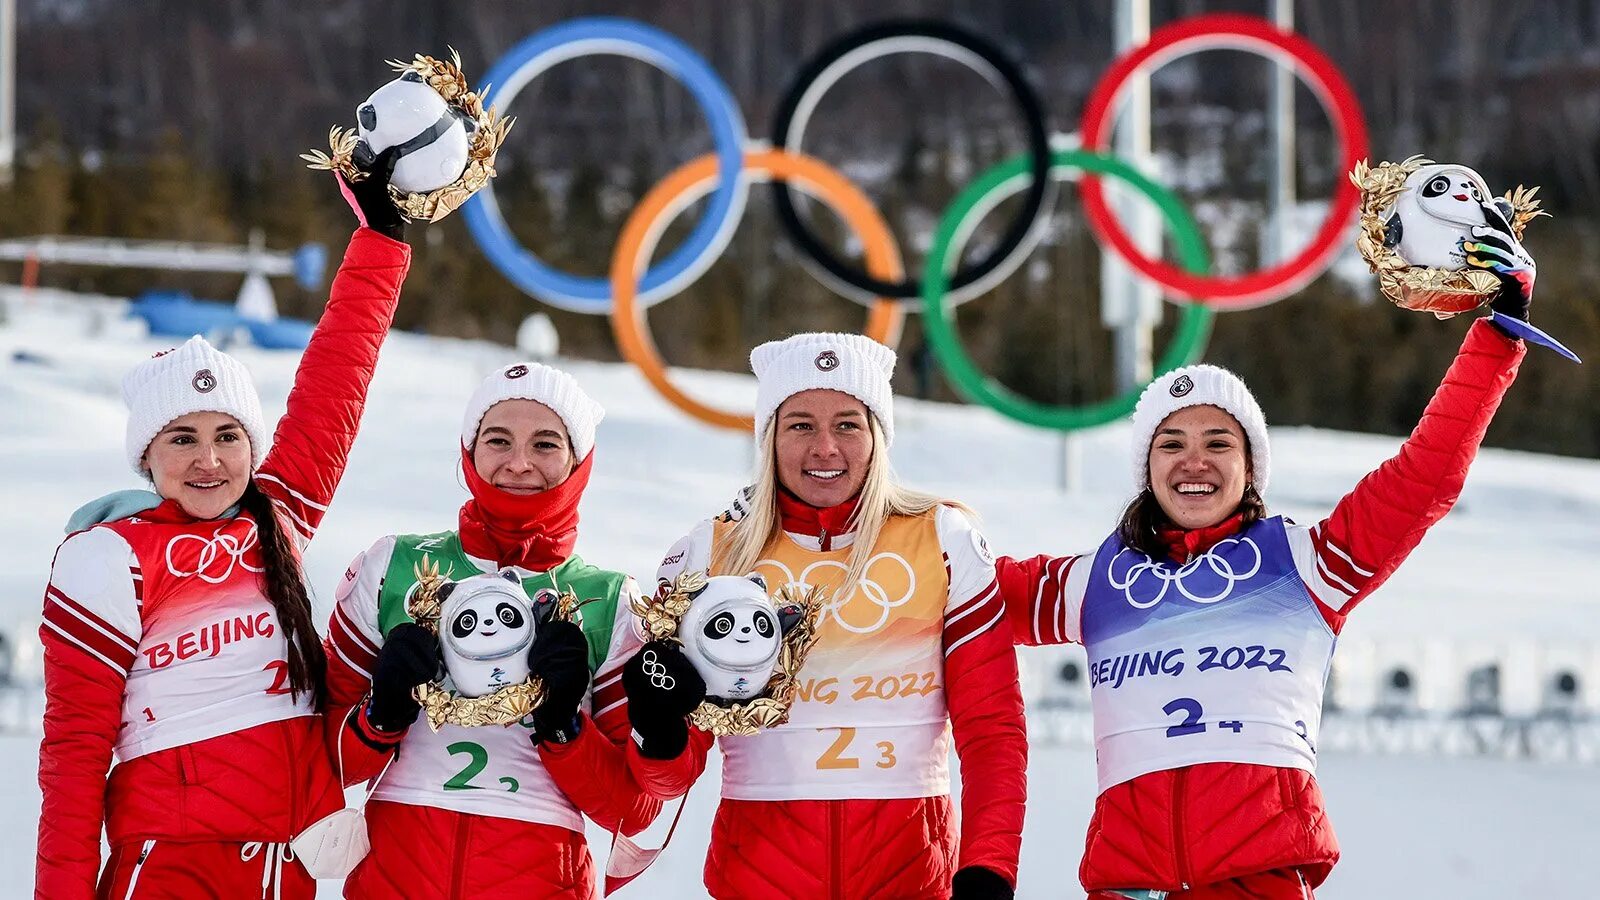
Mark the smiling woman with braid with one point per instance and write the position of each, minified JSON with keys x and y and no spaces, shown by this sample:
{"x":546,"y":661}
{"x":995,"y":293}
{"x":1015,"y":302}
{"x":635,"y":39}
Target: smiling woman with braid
{"x":177,"y":631}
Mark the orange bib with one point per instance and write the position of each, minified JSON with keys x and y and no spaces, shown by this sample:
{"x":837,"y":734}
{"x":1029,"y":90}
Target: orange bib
{"x":869,"y":719}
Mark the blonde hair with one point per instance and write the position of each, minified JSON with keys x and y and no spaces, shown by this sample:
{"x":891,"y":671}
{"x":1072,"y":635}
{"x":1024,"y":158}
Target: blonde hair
{"x":881,"y":498}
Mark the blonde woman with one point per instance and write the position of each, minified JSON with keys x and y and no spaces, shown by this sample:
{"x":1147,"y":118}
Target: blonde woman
{"x":851,"y":797}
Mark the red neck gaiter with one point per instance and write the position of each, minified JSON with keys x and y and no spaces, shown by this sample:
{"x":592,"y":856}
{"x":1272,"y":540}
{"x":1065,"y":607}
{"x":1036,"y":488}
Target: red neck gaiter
{"x":1183,"y":545}
{"x":170,"y":512}
{"x":535,"y":532}
{"x":800,"y":517}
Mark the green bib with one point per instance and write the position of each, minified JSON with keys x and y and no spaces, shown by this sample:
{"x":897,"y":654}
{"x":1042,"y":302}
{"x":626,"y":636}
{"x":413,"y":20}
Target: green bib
{"x":596,"y":589}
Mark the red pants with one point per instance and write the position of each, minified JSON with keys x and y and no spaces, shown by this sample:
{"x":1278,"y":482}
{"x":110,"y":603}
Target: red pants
{"x":1281,"y":884}
{"x":207,"y":871}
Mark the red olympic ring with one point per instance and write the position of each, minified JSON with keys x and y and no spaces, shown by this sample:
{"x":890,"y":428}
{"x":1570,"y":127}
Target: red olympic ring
{"x":1236,"y":32}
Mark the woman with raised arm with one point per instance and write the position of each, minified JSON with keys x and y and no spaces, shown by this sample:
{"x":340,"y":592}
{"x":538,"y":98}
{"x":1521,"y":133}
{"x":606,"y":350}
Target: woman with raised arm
{"x":177,"y":631}
{"x":1210,"y":624}
{"x":851,"y":797}
{"x":491,"y":811}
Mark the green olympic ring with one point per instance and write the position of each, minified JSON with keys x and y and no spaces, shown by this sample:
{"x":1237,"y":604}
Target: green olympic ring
{"x":994,"y":185}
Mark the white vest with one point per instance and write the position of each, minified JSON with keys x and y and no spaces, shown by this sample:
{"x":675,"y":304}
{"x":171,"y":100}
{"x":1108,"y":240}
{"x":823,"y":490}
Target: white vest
{"x":1222,"y":659}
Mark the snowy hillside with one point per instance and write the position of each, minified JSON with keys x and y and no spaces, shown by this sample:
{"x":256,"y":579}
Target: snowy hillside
{"x":1503,"y":577}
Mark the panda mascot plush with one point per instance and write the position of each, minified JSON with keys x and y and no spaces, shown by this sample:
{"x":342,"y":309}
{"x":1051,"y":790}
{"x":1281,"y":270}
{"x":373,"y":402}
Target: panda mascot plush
{"x":733,"y":634}
{"x":433,"y":135}
{"x":1437,"y":210}
{"x":486,"y":624}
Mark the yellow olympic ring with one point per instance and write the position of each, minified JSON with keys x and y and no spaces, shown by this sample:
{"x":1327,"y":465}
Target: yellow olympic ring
{"x":690,"y":182}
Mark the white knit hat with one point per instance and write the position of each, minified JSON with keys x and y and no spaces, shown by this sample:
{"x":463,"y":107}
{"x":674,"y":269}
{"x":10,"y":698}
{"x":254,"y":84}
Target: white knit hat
{"x":542,"y":384}
{"x":851,"y":363}
{"x":196,"y":377}
{"x":1200,"y":386}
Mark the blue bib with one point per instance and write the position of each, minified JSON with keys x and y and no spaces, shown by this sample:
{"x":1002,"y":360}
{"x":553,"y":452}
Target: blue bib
{"x":1220,"y":659}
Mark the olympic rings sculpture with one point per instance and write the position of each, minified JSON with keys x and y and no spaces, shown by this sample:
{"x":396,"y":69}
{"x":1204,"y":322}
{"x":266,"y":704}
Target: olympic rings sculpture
{"x":987,"y":190}
{"x":651,"y":217}
{"x":634,"y":284}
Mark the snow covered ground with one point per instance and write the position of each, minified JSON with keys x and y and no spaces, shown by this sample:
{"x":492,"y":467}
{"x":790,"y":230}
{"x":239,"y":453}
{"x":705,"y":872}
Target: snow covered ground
{"x":1501,"y":579}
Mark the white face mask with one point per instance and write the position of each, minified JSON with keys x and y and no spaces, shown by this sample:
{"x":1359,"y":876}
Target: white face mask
{"x":332,"y":846}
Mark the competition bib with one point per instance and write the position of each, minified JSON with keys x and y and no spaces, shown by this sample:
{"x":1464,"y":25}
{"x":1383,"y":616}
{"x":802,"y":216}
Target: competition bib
{"x":869,"y":718}
{"x":1221,"y":659}
{"x":489,"y":770}
{"x":211,"y":659}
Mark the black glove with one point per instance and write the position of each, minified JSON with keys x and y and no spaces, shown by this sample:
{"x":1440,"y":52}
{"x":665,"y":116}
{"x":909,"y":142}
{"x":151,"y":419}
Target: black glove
{"x":409,"y":657}
{"x":369,"y":198}
{"x":1496,"y":251}
{"x":978,"y":883}
{"x":663,"y":688}
{"x":559,"y":657}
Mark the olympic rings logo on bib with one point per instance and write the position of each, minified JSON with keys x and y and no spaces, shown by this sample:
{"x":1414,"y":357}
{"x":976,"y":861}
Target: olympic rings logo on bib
{"x":880,"y":282}
{"x":882,"y":589}
{"x":220,"y":546}
{"x":1199,"y":587}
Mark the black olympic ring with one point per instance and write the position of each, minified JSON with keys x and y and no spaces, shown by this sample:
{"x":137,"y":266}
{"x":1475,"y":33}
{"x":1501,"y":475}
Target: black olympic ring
{"x":1040,"y":187}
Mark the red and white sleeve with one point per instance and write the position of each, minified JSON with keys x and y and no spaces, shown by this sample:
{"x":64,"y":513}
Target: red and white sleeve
{"x":1348,"y":555}
{"x":1043,"y":597}
{"x":90,"y":633}
{"x":356,"y":748}
{"x":669,"y":778}
{"x":593,"y":770}
{"x":985,"y":701}
{"x":313,"y":439}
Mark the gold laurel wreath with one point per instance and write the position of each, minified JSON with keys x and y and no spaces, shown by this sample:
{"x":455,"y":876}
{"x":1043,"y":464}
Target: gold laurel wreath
{"x":662,"y":615}
{"x":448,"y":80}
{"x":1443,"y":292}
{"x":446,"y":707}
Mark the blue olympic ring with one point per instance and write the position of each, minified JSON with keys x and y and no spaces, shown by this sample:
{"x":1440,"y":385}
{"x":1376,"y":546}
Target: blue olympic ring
{"x":616,"y":37}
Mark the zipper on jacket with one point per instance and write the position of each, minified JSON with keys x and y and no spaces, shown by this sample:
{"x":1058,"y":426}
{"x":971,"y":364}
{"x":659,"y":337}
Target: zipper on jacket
{"x":133,"y":880}
{"x":458,"y":870}
{"x":1180,"y":858}
{"x":835,"y":848}
{"x":822,"y":541}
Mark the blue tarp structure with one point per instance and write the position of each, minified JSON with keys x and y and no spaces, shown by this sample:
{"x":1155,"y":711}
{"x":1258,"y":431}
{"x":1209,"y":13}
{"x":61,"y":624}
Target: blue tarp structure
{"x":177,"y":314}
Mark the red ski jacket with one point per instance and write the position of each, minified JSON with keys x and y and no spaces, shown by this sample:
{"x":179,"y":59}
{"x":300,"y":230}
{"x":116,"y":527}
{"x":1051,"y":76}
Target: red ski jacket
{"x":1201,"y":824}
{"x":155,"y":627}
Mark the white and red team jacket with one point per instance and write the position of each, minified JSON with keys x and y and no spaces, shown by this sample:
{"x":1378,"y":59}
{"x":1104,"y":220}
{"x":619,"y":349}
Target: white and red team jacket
{"x":161,"y":648}
{"x":851,"y":796}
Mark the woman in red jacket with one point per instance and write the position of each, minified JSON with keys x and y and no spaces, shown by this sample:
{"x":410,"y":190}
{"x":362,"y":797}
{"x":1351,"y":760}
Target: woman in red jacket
{"x":851,"y":797}
{"x":489,"y":812}
{"x":177,"y":632}
{"x":1210,"y":626}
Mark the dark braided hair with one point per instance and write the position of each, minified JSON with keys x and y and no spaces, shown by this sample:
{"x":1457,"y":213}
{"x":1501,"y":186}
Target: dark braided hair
{"x":286,"y":588}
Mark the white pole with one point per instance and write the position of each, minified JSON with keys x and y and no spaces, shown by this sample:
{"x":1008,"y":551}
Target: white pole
{"x":8,"y":89}
{"x":1275,"y":247}
{"x":1128,"y":305}
{"x":1070,"y":467}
